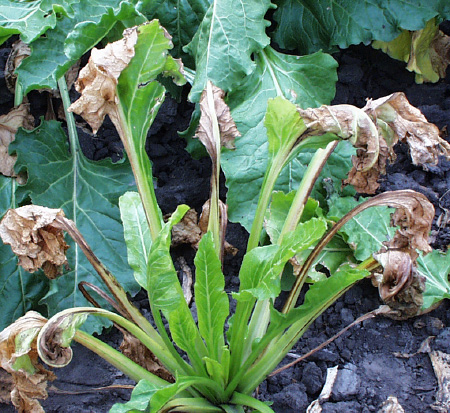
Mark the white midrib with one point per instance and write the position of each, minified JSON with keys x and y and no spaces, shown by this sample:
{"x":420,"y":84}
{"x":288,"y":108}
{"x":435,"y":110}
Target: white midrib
{"x":211,"y":28}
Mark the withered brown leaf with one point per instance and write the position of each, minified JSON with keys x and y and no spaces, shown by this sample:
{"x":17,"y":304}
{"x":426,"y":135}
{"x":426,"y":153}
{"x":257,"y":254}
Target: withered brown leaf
{"x":9,"y":124}
{"x":98,"y":80}
{"x":19,"y":357}
{"x":35,"y":238}
{"x":19,"y":51}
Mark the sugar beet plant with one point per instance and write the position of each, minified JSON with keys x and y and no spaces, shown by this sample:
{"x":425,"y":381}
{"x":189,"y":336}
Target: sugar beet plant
{"x":213,"y":364}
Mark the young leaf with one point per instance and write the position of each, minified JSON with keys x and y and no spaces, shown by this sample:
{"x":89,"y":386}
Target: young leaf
{"x":88,"y":193}
{"x":222,"y":47}
{"x":308,"y":81}
{"x":210,"y":297}
{"x":329,"y":24}
{"x":435,"y":267}
{"x":140,"y":398}
{"x":137,"y":235}
{"x":72,"y":36}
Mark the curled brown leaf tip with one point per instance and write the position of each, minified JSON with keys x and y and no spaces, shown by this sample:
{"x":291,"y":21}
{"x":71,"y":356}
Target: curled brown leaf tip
{"x":214,"y":111}
{"x":35,"y":238}
{"x":19,"y":357}
{"x":9,"y":124}
{"x":19,"y":51}
{"x":97,"y":81}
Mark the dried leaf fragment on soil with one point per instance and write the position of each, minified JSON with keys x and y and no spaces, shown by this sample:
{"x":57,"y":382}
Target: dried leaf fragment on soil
{"x":19,"y":357}
{"x":9,"y":124}
{"x":97,"y":81}
{"x":35,"y":238}
{"x":441,"y":366}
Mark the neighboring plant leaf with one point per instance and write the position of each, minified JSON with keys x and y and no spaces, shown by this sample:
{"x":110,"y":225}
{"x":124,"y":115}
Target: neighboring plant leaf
{"x":366,"y":232}
{"x":308,"y":81}
{"x":70,"y":39}
{"x":180,"y":18}
{"x":19,"y":357}
{"x":425,"y":51}
{"x":140,"y":398}
{"x":210,"y":296}
{"x":222,"y":47}
{"x":88,"y":193}
{"x":435,"y":267}
{"x":137,"y":235}
{"x":331,"y":23}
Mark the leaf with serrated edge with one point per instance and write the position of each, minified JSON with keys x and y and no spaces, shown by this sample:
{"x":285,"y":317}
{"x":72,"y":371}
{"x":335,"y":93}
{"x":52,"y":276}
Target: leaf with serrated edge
{"x":308,"y":81}
{"x":230,"y":32}
{"x":137,"y":235}
{"x":62,"y":46}
{"x":88,"y":193}
{"x":330,"y":23}
{"x":435,"y":267}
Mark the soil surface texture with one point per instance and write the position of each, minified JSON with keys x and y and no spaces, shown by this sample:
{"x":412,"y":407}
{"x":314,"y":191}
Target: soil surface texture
{"x":377,"y":358}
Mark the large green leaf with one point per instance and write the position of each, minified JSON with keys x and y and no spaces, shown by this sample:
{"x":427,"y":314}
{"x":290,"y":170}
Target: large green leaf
{"x":88,"y":193}
{"x":140,"y":398}
{"x":31,"y":19}
{"x":181,"y":18}
{"x":137,"y":235}
{"x":309,"y":26}
{"x":210,"y":297}
{"x":222,"y":47}
{"x":308,"y":81}
{"x":19,"y":291}
{"x":52,"y":55}
{"x":435,"y":267}
{"x":366,"y":232}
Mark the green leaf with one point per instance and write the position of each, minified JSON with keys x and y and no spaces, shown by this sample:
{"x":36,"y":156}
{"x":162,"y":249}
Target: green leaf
{"x":52,"y":55}
{"x":210,"y":297}
{"x":140,"y":398}
{"x":435,"y":267}
{"x":88,"y":193}
{"x":308,"y":81}
{"x":262,"y":266}
{"x":331,"y":23}
{"x":31,"y":19}
{"x":137,"y":235}
{"x":230,"y":32}
{"x":367,"y":231}
{"x":180,"y":18}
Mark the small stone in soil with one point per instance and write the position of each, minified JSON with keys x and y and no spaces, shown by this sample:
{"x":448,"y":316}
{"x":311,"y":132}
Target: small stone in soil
{"x":292,"y":399}
{"x":346,"y":384}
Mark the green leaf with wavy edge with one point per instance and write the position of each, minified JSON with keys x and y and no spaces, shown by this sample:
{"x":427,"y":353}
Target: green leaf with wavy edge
{"x":20,"y":291}
{"x":52,"y":55}
{"x":230,"y":32}
{"x":331,"y":23}
{"x":308,"y":81}
{"x":367,"y":231}
{"x":210,"y":297}
{"x":181,"y":18}
{"x":88,"y":193}
{"x":31,"y":19}
{"x":137,"y":235}
{"x":435,"y":267}
{"x":139,"y":400}
{"x":262,"y":266}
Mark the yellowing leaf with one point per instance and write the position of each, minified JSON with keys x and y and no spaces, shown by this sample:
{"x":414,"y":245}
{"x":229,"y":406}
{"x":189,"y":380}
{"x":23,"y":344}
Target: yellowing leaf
{"x":19,"y":357}
{"x":9,"y":124}
{"x":35,"y":238}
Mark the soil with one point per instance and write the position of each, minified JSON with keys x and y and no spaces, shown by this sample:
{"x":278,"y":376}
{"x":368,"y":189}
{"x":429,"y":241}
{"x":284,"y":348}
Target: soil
{"x":378,"y":358}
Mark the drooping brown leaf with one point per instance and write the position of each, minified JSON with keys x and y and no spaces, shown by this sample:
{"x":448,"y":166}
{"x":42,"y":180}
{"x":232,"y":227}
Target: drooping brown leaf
{"x":19,"y":51}
{"x":137,"y":352}
{"x":19,"y":357}
{"x":216,"y":127}
{"x":9,"y":124}
{"x":98,"y":80}
{"x":398,"y":119}
{"x":35,"y":238}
